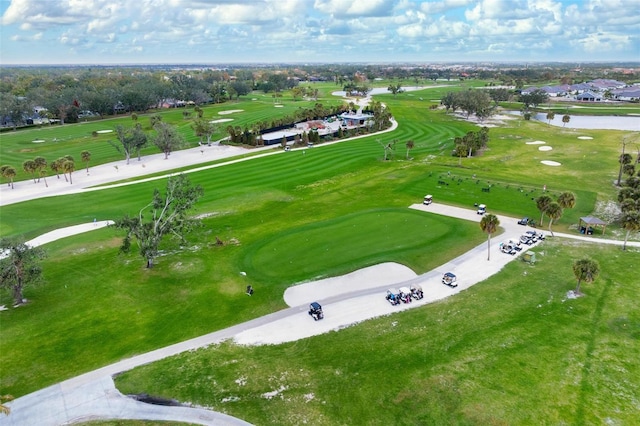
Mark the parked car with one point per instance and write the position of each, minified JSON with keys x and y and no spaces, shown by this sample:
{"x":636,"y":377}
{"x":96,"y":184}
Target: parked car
{"x":450,"y":279}
{"x":535,"y":235}
{"x":428,"y":199}
{"x":523,"y":221}
{"x":405,"y":294}
{"x":315,"y":310}
{"x":482,"y":209}
{"x":393,"y":296}
{"x":416,"y":291}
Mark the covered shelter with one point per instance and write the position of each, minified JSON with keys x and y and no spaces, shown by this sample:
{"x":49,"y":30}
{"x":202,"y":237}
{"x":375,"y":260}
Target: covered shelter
{"x":587,"y":223}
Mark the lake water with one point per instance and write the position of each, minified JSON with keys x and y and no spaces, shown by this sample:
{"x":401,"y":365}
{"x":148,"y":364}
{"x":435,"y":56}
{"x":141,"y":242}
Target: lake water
{"x":590,"y":121}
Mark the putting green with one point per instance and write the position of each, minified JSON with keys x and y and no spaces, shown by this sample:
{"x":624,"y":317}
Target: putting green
{"x":338,"y":244}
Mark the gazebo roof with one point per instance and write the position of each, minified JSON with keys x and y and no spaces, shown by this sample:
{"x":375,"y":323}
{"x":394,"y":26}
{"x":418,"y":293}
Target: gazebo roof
{"x":590,"y":220}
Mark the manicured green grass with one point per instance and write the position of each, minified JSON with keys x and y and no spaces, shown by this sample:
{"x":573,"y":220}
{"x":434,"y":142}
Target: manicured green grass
{"x":510,"y":350}
{"x":98,"y":306}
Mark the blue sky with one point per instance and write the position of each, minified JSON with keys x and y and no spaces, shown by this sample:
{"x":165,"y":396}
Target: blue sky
{"x":310,"y":31}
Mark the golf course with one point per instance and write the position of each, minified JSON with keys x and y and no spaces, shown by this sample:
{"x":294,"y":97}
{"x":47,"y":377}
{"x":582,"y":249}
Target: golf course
{"x":513,"y":349}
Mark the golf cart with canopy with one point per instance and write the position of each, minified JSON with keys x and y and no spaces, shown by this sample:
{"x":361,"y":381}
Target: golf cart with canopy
{"x":315,"y":310}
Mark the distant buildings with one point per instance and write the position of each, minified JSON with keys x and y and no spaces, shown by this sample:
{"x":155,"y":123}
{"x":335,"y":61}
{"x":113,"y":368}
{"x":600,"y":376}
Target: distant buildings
{"x":597,"y":90}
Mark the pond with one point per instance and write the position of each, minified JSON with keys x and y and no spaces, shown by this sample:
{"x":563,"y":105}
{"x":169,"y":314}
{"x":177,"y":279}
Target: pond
{"x":606,"y":122}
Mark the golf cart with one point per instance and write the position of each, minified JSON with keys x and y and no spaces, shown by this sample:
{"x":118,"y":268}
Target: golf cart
{"x":393,"y":296}
{"x":537,"y":236}
{"x":450,"y":279}
{"x":517,"y":246}
{"x":482,"y":209}
{"x":315,"y":310}
{"x":405,"y":294}
{"x":507,"y":248}
{"x":428,"y":199}
{"x":523,"y":221}
{"x":416,"y":291}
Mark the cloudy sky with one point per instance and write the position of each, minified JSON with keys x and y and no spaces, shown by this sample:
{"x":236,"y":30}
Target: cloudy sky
{"x":308,"y":31}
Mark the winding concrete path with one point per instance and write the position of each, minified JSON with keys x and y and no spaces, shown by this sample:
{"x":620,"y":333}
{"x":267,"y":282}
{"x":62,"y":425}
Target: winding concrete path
{"x":93,"y":395}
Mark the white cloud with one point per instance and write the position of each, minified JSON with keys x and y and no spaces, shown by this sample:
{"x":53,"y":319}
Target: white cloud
{"x":347,"y":8}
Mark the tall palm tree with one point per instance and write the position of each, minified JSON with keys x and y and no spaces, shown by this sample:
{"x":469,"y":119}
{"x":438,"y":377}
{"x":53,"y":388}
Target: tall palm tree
{"x":9,"y":172}
{"x":550,"y":116}
{"x":542,"y":202}
{"x":56,"y":166}
{"x":40,"y":164}
{"x":567,"y":200}
{"x":86,"y":157}
{"x":554,"y":211}
{"x":565,"y":119}
{"x":410,"y":145}
{"x":68,"y":166}
{"x":29,"y":166}
{"x":631,"y":223}
{"x":586,"y":270}
{"x":489,"y":224}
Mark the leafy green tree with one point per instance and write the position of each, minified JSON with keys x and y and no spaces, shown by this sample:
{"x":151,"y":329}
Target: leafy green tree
{"x":554,"y":211}
{"x":130,"y":140}
{"x":499,"y":95}
{"x":541,"y":203}
{"x":86,"y":157}
{"x":567,"y":200}
{"x":19,"y":267}
{"x":630,"y":223}
{"x":535,"y":98}
{"x":586,"y":270}
{"x":164,"y":215}
{"x":167,"y":138}
{"x":203,"y":128}
{"x":489,"y":224}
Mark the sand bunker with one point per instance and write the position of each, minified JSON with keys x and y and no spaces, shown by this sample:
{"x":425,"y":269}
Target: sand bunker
{"x":104,"y":131}
{"x":38,"y":141}
{"x":585,"y":137}
{"x":544,"y":148}
{"x":222,"y":120}
{"x":550,"y":163}
{"x":536,"y":143}
{"x":230,"y":111}
{"x":278,"y":106}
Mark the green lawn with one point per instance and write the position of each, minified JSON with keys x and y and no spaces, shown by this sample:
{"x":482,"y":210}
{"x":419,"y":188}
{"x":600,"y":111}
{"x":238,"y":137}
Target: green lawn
{"x":279,"y":216}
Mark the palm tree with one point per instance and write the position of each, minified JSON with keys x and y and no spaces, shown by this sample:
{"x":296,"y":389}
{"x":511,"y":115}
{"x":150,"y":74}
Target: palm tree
{"x":40,"y":164}
{"x":550,"y":116}
{"x":9,"y":173}
{"x":489,"y":224}
{"x":631,"y":223}
{"x":554,"y":211}
{"x":68,"y":166}
{"x":29,"y":166}
{"x":3,"y":408}
{"x":542,"y":202}
{"x":585,"y":270}
{"x":410,"y":145}
{"x":567,"y":200}
{"x":565,"y":119}
{"x":86,"y":157}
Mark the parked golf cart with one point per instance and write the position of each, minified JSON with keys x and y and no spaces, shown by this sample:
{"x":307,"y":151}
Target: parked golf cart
{"x":428,"y":199}
{"x":523,"y":221}
{"x":517,"y":246}
{"x":405,"y":294}
{"x":315,"y":310}
{"x":482,"y":209}
{"x":538,"y":236}
{"x":526,"y":239}
{"x":450,"y":279}
{"x":393,"y":296}
{"x":416,"y":291}
{"x":507,"y":248}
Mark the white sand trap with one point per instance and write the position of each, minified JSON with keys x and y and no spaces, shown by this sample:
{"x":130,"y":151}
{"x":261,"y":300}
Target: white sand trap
{"x":585,"y":137}
{"x":278,"y":106}
{"x":544,"y":148}
{"x":550,"y":163}
{"x":38,"y":141}
{"x":230,"y":111}
{"x":254,"y":99}
{"x":104,"y":131}
{"x":362,"y":279}
{"x":536,"y":143}
{"x":222,"y":120}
